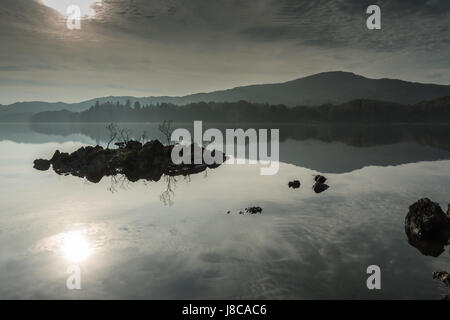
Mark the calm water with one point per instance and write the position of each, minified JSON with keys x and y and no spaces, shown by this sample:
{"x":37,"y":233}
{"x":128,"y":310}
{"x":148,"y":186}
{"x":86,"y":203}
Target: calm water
{"x":174,"y":240}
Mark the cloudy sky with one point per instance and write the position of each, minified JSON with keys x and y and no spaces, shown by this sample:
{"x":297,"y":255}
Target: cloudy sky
{"x":177,"y":47}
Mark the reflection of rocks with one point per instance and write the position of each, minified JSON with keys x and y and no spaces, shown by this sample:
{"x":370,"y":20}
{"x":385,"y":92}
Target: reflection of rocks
{"x":427,"y":227}
{"x":294,"y":184}
{"x":132,"y":159}
{"x":442,"y":276}
{"x":427,"y":248}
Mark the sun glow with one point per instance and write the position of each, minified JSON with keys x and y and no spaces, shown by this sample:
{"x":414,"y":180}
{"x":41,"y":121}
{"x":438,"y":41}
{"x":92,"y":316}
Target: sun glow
{"x":75,"y":246}
{"x":87,"y":7}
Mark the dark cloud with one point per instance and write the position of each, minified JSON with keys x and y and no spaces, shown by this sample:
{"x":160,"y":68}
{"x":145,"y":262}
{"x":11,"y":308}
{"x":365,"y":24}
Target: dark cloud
{"x":172,"y":47}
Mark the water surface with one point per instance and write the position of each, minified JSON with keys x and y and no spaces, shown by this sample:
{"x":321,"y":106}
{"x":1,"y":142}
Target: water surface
{"x":173,"y":239}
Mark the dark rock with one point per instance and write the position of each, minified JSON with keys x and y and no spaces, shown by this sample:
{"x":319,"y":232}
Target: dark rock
{"x":320,"y":187}
{"x":442,"y":276}
{"x":41,"y":164}
{"x":426,"y":221}
{"x":320,"y":179}
{"x":254,"y":210}
{"x":133,"y":145}
{"x":134,"y":160}
{"x":294,"y":184}
{"x":55,"y":156}
{"x":446,"y":297}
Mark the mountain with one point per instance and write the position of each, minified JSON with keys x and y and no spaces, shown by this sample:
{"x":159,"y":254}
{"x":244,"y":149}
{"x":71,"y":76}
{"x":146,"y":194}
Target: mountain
{"x":328,"y":88}
{"x":323,"y":88}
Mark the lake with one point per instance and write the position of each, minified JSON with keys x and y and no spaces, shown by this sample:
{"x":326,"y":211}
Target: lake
{"x":173,"y":239}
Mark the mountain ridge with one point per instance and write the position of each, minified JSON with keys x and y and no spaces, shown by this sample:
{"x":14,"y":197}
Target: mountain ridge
{"x":334,"y":87}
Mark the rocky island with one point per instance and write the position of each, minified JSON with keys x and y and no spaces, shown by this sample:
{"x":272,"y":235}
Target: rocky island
{"x":149,"y":161}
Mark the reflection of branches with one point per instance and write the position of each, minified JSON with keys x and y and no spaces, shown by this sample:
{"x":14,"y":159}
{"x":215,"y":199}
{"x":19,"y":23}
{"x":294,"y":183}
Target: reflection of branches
{"x":112,"y":129}
{"x":125,"y":135}
{"x":118,"y":181}
{"x":167,"y":130}
{"x":166,"y":196}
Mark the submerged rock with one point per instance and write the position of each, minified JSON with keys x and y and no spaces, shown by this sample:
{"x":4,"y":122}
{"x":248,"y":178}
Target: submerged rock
{"x":294,"y":184}
{"x":136,"y":161}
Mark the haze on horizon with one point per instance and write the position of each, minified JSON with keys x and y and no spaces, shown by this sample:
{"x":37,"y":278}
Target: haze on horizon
{"x":175,"y":47}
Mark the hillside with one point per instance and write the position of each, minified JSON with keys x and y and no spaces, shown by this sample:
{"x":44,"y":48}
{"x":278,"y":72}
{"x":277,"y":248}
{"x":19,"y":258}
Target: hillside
{"x":315,"y":90}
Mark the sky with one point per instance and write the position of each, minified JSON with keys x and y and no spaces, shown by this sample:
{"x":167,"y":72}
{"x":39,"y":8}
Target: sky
{"x":178,"y":47}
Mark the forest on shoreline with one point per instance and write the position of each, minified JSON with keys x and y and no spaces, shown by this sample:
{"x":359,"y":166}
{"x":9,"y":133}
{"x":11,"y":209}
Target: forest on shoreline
{"x":360,"y":111}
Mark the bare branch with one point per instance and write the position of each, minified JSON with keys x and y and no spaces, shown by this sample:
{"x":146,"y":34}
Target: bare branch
{"x":112,"y":129}
{"x":167,"y":130}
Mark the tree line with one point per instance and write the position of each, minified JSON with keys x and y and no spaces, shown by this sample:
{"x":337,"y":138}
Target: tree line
{"x":361,"y":111}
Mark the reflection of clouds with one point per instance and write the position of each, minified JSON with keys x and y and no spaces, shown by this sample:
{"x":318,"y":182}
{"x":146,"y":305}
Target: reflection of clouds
{"x":303,"y":245}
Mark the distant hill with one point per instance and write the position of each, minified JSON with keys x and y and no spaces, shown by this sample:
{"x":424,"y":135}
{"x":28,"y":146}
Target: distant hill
{"x":323,"y":88}
{"x":328,"y":88}
{"x":355,"y":111}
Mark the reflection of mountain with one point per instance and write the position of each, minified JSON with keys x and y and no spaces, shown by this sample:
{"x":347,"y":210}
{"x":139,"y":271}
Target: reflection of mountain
{"x":336,"y":157}
{"x":325,"y":148}
{"x":354,"y":135}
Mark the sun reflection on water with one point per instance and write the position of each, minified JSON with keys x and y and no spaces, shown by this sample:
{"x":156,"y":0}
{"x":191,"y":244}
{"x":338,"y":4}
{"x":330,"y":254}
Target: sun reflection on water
{"x":75,"y":246}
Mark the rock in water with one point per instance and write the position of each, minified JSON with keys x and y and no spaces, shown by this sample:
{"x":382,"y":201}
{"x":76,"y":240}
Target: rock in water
{"x":442,"y":276}
{"x":426,"y":221}
{"x":320,"y":179}
{"x":132,"y":159}
{"x":294,"y":184}
{"x":254,"y":210}
{"x":320,"y":187}
{"x":41,"y":164}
